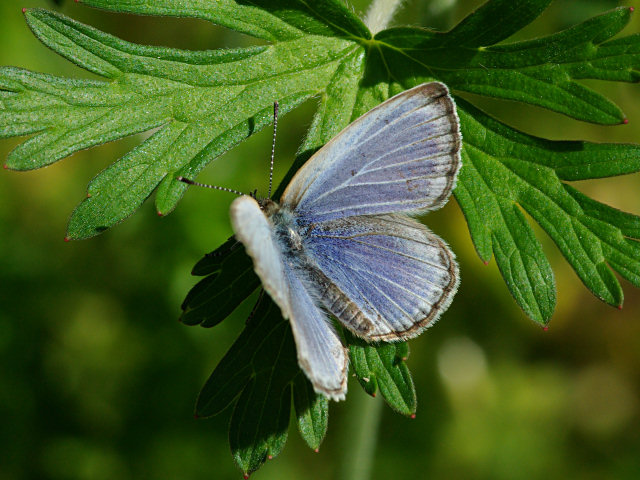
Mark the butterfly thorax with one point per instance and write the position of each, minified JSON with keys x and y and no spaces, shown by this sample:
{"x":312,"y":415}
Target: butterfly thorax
{"x":285,"y":226}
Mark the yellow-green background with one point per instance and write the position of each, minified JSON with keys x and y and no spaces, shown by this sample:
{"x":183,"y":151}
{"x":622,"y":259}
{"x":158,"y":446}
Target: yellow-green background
{"x":98,"y":379}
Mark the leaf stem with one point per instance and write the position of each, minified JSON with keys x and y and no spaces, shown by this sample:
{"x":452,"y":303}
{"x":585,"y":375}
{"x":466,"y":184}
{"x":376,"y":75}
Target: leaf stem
{"x":360,"y":436}
{"x":380,"y":14}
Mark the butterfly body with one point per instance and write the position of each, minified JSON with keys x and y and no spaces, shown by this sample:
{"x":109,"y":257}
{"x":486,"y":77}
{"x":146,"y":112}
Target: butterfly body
{"x":341,"y":240}
{"x":286,"y":228}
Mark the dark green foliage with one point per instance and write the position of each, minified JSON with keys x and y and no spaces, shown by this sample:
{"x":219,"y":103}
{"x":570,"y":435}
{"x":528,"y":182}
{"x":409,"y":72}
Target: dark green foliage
{"x":230,"y":279}
{"x":382,"y":367}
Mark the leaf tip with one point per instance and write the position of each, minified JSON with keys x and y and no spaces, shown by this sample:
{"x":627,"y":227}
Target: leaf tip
{"x":631,"y":9}
{"x":5,"y":166}
{"x":412,"y":416}
{"x":196,"y":416}
{"x":269,"y":457}
{"x":67,"y":238}
{"x":316,"y":450}
{"x":245,"y":476}
{"x":620,"y":307}
{"x":374,"y":394}
{"x":545,"y":328}
{"x":486,"y":262}
{"x":160,"y":214}
{"x":625,"y":120}
{"x":24,"y":10}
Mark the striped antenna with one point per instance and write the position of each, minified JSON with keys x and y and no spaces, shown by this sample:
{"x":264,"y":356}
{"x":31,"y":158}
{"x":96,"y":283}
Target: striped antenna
{"x":237,"y":192}
{"x":273,"y":144}
{"x":205,"y":185}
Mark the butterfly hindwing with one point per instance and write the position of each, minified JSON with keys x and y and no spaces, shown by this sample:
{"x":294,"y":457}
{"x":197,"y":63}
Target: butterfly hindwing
{"x":321,"y":355}
{"x":388,"y":277}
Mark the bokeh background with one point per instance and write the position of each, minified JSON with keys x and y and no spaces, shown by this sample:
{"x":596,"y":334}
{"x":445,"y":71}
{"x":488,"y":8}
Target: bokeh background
{"x":98,"y":379}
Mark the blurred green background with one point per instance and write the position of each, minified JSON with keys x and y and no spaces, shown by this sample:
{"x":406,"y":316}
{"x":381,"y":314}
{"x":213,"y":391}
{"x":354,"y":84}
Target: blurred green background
{"x":98,"y":379}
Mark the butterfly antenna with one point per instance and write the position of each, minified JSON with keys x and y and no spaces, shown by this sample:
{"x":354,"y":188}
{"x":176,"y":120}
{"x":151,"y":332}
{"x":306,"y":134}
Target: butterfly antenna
{"x":205,"y":185}
{"x":273,"y":144}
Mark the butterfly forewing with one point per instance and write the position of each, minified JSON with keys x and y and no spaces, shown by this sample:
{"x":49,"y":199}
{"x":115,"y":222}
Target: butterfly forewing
{"x":255,"y":232}
{"x":402,"y":156}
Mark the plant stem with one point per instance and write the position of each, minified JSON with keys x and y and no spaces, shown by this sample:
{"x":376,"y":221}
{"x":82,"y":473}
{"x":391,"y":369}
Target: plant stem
{"x":380,"y":14}
{"x":360,"y":436}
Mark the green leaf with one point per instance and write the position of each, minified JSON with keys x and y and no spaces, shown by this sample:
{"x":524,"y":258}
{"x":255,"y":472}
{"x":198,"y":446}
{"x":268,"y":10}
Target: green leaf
{"x":202,"y":102}
{"x":273,"y":20}
{"x":257,"y":375}
{"x":494,"y":21}
{"x":260,"y":417}
{"x":540,"y":72}
{"x":312,"y":412}
{"x":504,"y":168}
{"x":382,"y":367}
{"x":264,"y":336}
{"x":230,"y":280}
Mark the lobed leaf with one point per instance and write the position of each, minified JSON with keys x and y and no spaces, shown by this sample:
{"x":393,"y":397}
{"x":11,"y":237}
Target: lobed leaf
{"x":312,"y":412}
{"x":504,"y":169}
{"x":257,"y":375}
{"x":382,"y":367}
{"x":230,"y":280}
{"x":273,"y":20}
{"x":203,"y":103}
{"x":493,"y":22}
{"x":541,"y":72}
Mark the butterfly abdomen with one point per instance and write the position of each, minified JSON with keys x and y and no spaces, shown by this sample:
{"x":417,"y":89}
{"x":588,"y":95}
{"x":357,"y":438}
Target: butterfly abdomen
{"x":334,"y":300}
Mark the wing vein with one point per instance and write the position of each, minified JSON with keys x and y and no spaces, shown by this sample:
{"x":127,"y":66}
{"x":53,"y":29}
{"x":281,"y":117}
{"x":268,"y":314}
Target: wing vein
{"x":346,"y":183}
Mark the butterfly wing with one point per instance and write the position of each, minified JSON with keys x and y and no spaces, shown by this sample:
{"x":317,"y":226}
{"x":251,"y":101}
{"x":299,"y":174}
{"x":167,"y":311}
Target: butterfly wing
{"x":385,"y":277}
{"x":256,"y":234}
{"x":321,"y":355}
{"x":402,"y":156}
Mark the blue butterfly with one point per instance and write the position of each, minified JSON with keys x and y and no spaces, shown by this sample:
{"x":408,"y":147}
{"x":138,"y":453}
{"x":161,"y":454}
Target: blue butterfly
{"x":341,"y":240}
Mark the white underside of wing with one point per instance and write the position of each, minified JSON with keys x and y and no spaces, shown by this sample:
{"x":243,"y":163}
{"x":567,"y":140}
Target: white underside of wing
{"x":254,"y":230}
{"x":321,"y":355}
